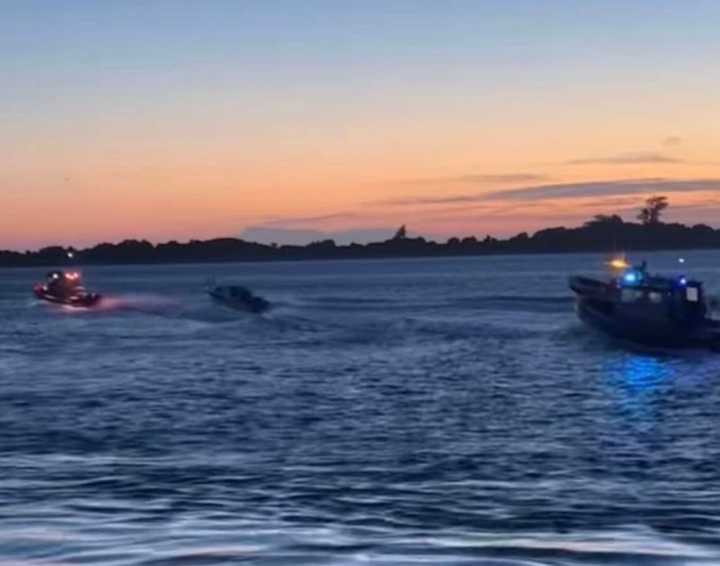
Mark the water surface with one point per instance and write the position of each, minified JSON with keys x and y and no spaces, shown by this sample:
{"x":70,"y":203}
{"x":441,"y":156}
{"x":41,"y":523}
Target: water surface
{"x":444,"y":411}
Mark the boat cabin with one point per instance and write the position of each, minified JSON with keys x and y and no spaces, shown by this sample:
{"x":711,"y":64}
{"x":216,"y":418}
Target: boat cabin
{"x":677,"y":297}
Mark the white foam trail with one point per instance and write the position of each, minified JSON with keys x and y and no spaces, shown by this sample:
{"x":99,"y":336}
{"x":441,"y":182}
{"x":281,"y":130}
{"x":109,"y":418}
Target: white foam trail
{"x":142,"y":303}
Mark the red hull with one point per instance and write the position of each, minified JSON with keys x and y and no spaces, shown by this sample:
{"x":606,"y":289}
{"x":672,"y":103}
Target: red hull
{"x":83,"y":300}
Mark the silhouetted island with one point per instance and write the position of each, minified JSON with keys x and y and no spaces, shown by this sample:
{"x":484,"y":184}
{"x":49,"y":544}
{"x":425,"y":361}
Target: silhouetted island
{"x":601,"y":234}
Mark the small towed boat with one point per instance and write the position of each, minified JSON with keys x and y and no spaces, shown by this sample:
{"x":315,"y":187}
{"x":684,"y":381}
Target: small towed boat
{"x":238,"y":297}
{"x":651,"y":310}
{"x":66,"y":288}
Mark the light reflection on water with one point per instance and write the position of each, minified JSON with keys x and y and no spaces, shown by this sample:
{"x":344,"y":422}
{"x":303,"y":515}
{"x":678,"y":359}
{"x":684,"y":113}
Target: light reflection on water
{"x":638,"y":382}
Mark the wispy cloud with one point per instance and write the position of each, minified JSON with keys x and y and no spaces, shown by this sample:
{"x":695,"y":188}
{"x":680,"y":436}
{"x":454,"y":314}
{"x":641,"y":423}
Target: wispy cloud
{"x":672,"y":141}
{"x":629,"y":157}
{"x":606,"y":188}
{"x":476,"y":179}
{"x":566,"y":191}
{"x":608,"y":202}
{"x":303,"y":220}
{"x":420,"y":200}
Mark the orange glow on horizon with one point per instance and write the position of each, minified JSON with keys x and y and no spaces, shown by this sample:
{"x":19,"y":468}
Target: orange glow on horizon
{"x":428,"y":173}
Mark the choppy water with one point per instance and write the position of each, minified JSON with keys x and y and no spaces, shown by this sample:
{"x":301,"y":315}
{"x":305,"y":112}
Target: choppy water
{"x":386,"y":412}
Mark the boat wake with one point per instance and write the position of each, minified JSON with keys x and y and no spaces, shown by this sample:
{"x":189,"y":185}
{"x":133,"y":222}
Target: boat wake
{"x":517,"y":303}
{"x":150,"y":304}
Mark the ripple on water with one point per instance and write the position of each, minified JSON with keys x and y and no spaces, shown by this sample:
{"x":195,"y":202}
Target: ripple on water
{"x":434,"y":412}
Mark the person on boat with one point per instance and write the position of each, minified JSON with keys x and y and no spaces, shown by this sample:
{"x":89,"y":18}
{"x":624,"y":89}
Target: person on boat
{"x":55,"y":281}
{"x":63,"y":284}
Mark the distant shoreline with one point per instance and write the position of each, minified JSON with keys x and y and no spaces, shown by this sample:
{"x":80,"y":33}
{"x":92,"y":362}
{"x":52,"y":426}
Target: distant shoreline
{"x":608,"y":236}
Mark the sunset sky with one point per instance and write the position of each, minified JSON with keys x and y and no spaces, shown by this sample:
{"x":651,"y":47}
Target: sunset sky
{"x":177,"y":120}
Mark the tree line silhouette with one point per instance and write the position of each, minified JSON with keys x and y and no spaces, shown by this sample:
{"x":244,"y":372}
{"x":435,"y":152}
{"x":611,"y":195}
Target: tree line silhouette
{"x":603,"y":233}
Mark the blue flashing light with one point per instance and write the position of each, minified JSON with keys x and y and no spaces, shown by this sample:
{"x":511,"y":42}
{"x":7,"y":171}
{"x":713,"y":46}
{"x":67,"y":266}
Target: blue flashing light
{"x":682,"y":281}
{"x":631,"y":277}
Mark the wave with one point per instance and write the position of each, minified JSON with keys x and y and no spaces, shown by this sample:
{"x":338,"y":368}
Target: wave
{"x":516,"y":303}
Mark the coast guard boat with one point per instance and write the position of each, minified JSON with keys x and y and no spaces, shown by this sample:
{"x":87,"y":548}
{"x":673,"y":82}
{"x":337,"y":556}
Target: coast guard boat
{"x":648,"y":309}
{"x":66,"y":288}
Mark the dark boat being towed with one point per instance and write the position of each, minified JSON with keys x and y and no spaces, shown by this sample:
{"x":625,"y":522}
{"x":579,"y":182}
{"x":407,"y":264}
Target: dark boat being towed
{"x":238,"y":298}
{"x":647,"y":309}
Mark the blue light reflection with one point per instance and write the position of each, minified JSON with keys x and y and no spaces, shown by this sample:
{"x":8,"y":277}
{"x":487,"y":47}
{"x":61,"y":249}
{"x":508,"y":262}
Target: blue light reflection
{"x":638,"y":383}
